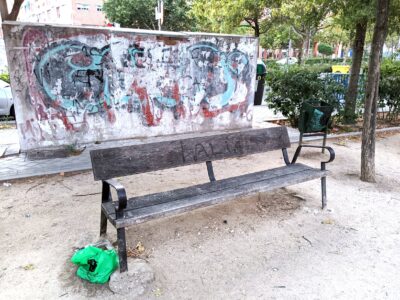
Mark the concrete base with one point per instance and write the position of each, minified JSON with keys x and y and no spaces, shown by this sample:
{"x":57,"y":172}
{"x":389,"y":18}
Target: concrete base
{"x":135,"y":282}
{"x":55,"y":152}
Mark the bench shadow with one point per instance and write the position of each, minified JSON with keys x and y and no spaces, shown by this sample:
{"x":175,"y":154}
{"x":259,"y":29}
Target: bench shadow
{"x":237,"y":215}
{"x":190,"y":229}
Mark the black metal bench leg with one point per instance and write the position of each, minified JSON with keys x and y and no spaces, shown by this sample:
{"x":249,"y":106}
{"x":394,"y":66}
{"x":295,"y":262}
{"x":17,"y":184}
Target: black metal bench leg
{"x":323,"y":189}
{"x":123,"y":262}
{"x":103,"y":224}
{"x":105,"y":197}
{"x":210,"y":171}
{"x":324,"y":142}
{"x":323,"y":185}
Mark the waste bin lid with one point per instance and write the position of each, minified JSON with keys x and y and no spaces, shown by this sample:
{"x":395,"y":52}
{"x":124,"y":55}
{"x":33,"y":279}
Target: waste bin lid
{"x":261,"y":69}
{"x":342,"y":69}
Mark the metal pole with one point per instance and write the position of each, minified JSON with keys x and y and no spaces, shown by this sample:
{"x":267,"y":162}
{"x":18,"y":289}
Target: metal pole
{"x":159,"y":14}
{"x":290,"y":41}
{"x":290,"y":47}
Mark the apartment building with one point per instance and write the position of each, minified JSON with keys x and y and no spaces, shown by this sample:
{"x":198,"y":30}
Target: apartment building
{"x":72,"y":12}
{"x":68,"y":12}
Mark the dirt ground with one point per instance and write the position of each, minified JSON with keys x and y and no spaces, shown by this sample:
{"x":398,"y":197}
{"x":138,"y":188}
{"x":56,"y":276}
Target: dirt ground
{"x":277,"y":245}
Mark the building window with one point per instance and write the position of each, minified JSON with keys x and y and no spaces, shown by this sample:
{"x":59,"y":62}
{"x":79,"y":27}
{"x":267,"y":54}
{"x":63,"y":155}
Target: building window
{"x":58,"y":12}
{"x":81,"y":6}
{"x":99,"y":7}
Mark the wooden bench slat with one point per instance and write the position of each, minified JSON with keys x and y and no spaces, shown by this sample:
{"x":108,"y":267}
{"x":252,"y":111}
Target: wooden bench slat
{"x":122,"y":161}
{"x":168,"y":196}
{"x":182,"y":200}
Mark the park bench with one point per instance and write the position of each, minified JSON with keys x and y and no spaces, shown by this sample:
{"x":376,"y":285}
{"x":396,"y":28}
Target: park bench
{"x":122,"y":161}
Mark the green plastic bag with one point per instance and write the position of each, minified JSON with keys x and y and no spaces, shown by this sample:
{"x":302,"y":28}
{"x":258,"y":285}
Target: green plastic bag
{"x":95,"y":264}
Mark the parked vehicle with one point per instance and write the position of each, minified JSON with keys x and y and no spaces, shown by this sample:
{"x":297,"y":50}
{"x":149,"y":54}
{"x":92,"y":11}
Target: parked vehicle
{"x":286,"y":60}
{"x":6,"y":100}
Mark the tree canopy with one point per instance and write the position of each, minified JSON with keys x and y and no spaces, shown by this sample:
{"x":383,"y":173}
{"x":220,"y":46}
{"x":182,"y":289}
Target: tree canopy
{"x":141,"y":14}
{"x":225,"y":16}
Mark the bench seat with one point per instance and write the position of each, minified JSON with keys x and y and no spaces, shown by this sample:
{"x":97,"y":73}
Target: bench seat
{"x":179,"y":151}
{"x":144,"y":208}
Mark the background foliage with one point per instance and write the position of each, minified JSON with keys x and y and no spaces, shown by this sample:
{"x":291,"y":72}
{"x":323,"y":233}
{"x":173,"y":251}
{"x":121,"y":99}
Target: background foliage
{"x":288,"y":90}
{"x":5,"y":77}
{"x":389,"y":88}
{"x":141,"y":14}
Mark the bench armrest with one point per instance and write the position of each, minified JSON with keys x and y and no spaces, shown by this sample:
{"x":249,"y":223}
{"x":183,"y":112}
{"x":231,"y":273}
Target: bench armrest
{"x":121,"y":194}
{"x":298,"y":151}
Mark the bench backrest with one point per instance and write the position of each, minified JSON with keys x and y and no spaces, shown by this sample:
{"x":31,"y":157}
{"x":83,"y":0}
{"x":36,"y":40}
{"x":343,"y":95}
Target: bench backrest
{"x":135,"y":159}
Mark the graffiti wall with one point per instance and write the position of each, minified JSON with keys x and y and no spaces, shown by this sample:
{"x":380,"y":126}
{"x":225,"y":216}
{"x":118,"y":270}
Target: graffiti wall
{"x":82,"y":84}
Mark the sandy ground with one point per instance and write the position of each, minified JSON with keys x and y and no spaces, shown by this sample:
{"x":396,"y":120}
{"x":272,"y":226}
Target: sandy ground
{"x":277,"y":245}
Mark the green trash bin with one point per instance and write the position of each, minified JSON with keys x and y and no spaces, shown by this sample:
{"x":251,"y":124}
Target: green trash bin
{"x":261,"y":73}
{"x":315,"y":116}
{"x":315,"y":119}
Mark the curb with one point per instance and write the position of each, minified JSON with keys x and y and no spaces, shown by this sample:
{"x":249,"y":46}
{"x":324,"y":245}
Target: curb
{"x":19,"y":176}
{"x":348,"y":134}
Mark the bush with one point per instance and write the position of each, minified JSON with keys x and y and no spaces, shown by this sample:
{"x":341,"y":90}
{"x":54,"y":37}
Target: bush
{"x":331,"y":61}
{"x":389,"y":88}
{"x":325,"y":49}
{"x":288,"y":90}
{"x":271,"y":64}
{"x":320,"y":68}
{"x":5,"y":77}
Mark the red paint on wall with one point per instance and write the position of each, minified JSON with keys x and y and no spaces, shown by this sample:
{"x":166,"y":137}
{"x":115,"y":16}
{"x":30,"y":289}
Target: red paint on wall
{"x":41,"y":112}
{"x":145,"y":104}
{"x":111,"y":116}
{"x":180,"y":109}
{"x":213,"y":113}
{"x":67,"y":124}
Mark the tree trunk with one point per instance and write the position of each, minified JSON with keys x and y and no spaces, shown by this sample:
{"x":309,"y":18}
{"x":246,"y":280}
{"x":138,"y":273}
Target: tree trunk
{"x":351,"y":95}
{"x":301,"y":52}
{"x":371,"y":95}
{"x":15,"y":10}
{"x":12,"y":16}
{"x":3,"y":9}
{"x":308,"y":41}
{"x":256,"y":28}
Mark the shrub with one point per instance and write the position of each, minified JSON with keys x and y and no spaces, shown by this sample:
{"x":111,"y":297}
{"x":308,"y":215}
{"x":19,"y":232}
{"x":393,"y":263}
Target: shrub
{"x":5,"y":77}
{"x":389,"y":88}
{"x":331,"y":61}
{"x":271,"y":64}
{"x":325,"y":49}
{"x":288,"y":90}
{"x":320,"y":68}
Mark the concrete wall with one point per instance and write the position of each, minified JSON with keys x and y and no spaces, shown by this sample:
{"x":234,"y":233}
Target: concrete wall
{"x":81,"y":84}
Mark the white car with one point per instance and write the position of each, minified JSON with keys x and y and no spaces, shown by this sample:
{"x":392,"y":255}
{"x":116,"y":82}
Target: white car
{"x":290,"y":61}
{"x":6,"y":100}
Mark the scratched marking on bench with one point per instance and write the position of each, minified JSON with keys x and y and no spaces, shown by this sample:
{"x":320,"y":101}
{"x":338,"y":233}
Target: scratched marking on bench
{"x":210,"y":150}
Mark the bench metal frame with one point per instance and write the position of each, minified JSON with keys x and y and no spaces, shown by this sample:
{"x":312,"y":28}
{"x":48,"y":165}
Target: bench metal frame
{"x":251,"y":141}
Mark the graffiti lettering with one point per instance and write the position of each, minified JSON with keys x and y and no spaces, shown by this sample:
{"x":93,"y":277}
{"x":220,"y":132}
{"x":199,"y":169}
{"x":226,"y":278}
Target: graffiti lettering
{"x":79,"y":79}
{"x":92,"y":80}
